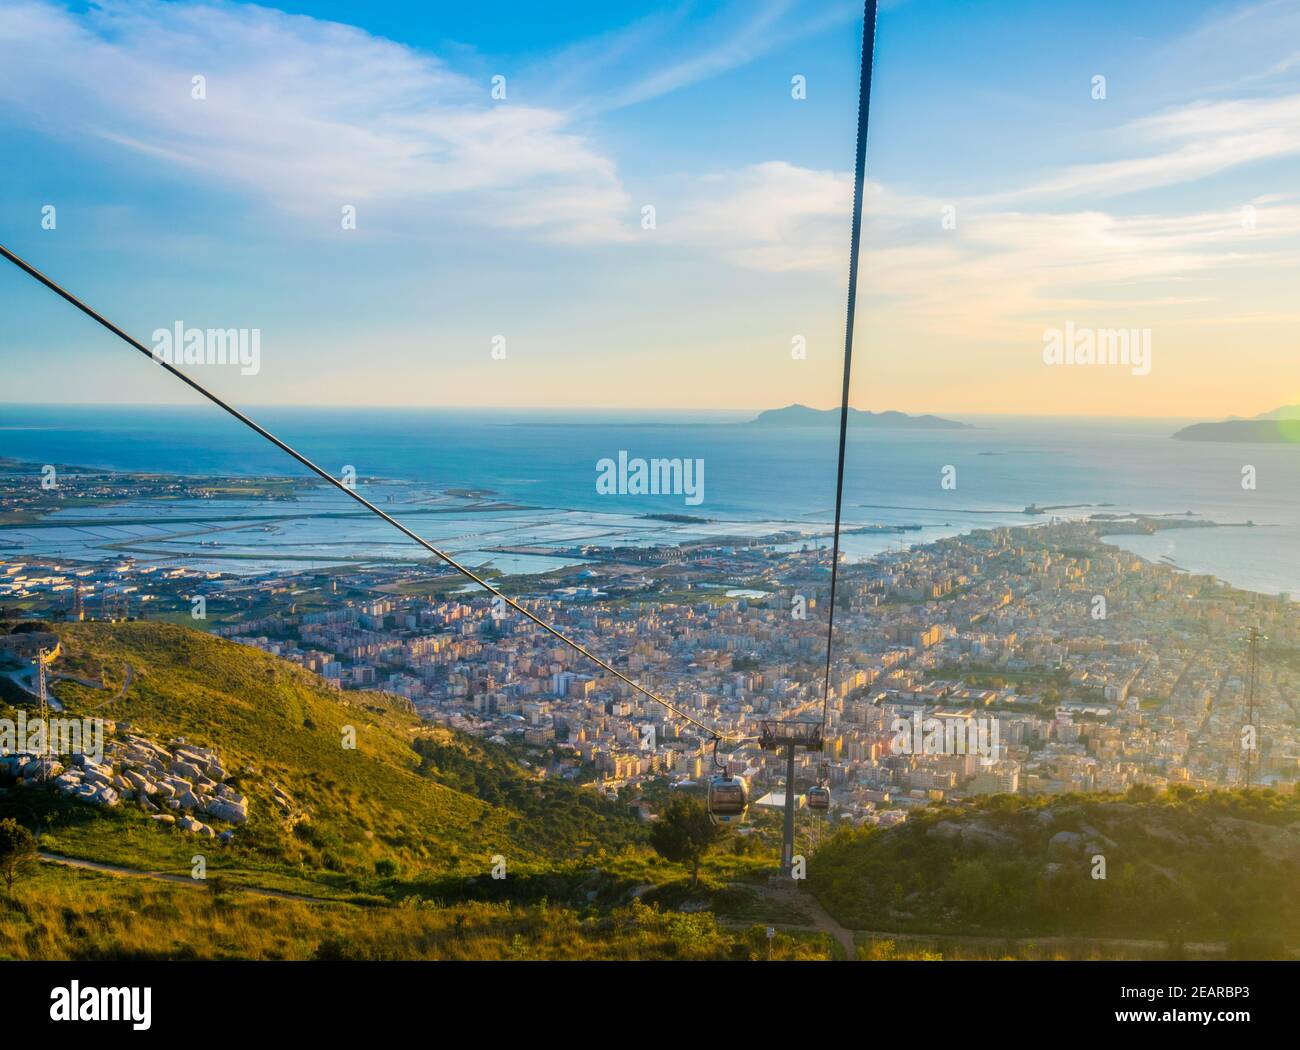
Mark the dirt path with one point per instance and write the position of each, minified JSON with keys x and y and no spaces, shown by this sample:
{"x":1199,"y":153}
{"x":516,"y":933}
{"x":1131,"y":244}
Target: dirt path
{"x":783,"y":895}
{"x":786,"y":893}
{"x":127,"y":678}
{"x":120,"y":871}
{"x":824,"y":922}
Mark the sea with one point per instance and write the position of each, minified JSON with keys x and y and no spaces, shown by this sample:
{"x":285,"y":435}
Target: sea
{"x":540,"y":470}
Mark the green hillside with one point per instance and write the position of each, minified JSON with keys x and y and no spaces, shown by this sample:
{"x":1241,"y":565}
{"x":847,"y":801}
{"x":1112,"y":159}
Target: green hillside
{"x":381,"y":809}
{"x":391,"y":844}
{"x":58,"y":913}
{"x":1218,"y":866}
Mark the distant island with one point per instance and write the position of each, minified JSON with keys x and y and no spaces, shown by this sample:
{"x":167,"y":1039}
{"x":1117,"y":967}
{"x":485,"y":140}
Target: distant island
{"x":1280,"y":426}
{"x":803,"y":416}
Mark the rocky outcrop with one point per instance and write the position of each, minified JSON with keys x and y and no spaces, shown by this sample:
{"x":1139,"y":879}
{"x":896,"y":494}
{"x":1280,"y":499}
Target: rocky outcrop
{"x":180,"y":777}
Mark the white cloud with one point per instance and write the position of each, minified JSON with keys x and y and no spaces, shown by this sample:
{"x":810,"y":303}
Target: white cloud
{"x":1203,"y":139}
{"x":1233,"y":47}
{"x":772,"y":216}
{"x":999,"y":270}
{"x":676,"y":48}
{"x":310,"y":114}
{"x":777,"y":216}
{"x":306,"y":113}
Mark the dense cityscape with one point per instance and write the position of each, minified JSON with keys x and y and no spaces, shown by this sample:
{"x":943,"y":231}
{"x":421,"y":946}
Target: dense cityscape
{"x":1023,"y":660}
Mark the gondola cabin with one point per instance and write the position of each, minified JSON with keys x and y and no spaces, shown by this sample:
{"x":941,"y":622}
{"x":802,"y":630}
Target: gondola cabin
{"x":728,"y":799}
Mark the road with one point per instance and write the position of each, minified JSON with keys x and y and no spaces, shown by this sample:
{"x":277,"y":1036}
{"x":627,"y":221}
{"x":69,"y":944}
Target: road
{"x":23,"y":678}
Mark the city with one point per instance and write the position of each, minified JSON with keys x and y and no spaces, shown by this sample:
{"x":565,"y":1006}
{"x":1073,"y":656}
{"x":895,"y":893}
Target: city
{"x":1096,"y":669}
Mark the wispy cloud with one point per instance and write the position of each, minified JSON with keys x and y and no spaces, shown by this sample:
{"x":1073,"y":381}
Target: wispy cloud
{"x":1236,"y":47}
{"x":675,"y":49}
{"x":311,"y":114}
{"x":1000,"y":272}
{"x":1198,"y":140}
{"x":777,"y":216}
{"x":306,"y":113}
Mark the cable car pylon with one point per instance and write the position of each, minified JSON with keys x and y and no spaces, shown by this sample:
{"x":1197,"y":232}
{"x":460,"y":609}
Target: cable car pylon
{"x":788,"y":737}
{"x":791,"y":735}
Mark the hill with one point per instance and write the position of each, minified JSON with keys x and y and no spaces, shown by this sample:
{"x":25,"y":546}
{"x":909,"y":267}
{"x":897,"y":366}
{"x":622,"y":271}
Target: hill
{"x":409,"y":798}
{"x":389,"y":846}
{"x":1217,"y":866}
{"x":381,"y":852}
{"x":1282,"y":425}
{"x":803,"y":416}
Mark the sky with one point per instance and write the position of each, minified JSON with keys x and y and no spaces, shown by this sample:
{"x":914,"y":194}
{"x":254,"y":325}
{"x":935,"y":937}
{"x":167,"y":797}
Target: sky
{"x":501,"y":161}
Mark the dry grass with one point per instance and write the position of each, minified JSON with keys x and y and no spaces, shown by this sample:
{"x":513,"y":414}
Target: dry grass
{"x":60,"y":913}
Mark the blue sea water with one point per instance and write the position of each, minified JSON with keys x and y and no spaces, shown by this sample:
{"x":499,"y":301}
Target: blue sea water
{"x":752,"y":474}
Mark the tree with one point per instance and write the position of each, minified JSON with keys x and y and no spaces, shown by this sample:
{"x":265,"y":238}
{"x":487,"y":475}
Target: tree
{"x":970,"y":885}
{"x":17,"y":850}
{"x":684,"y":833}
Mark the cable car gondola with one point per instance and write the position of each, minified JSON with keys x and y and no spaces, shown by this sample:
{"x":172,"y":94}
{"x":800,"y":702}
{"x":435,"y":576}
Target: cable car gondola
{"x":728,"y":798}
{"x":819,"y":798}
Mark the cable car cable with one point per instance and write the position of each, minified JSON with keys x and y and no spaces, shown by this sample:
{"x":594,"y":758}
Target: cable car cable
{"x":859,"y":173}
{"x":864,"y":96}
{"x":31,"y":271}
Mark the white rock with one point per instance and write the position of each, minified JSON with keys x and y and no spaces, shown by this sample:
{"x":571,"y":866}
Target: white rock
{"x":186,"y":769}
{"x":224,"y":809}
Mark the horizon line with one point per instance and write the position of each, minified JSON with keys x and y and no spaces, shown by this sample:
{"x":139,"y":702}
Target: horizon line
{"x":598,"y":408}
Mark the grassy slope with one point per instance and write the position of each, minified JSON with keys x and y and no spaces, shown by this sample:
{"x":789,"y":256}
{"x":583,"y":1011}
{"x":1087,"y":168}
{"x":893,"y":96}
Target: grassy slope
{"x":61,"y":914}
{"x":1221,"y":866}
{"x":379,"y":801}
{"x":437,"y":803}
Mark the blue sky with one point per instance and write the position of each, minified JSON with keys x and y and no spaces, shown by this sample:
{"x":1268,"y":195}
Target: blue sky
{"x":522,"y":218}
